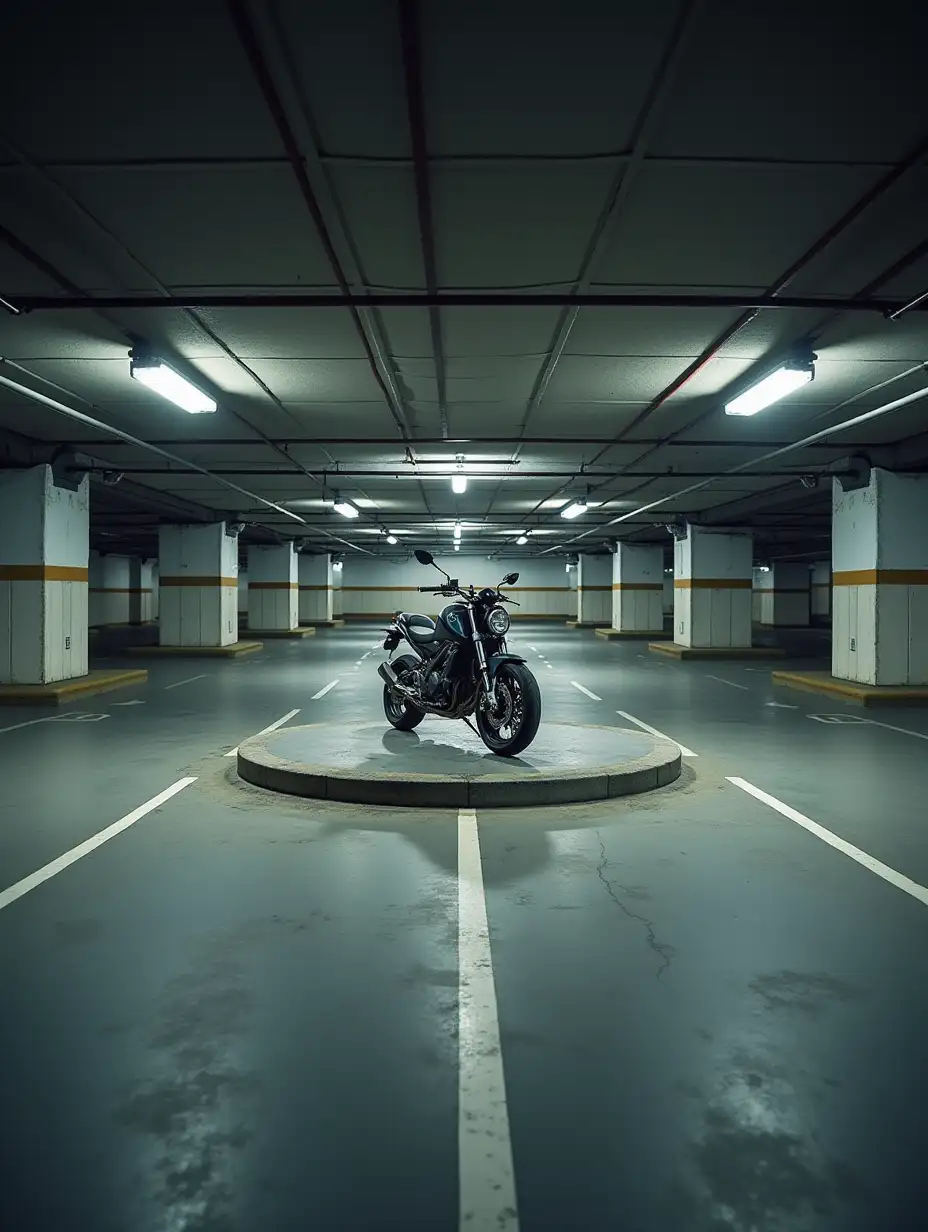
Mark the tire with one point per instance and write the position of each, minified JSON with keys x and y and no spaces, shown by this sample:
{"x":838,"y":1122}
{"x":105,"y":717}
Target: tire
{"x":519,"y":681}
{"x":403,"y":715}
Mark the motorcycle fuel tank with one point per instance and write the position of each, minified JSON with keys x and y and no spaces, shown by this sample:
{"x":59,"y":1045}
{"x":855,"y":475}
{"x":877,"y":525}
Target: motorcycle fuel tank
{"x":454,"y":623}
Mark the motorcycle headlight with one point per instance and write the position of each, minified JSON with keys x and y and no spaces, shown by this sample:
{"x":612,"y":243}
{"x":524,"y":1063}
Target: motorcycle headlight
{"x":498,"y":620}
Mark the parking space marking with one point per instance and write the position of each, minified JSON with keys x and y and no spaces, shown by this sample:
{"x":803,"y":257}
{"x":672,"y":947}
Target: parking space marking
{"x":867,"y":861}
{"x":732,"y":683}
{"x":654,"y":732}
{"x":189,"y":680}
{"x":264,"y":730}
{"x":13,"y":892}
{"x":487,"y":1197}
{"x":584,"y":689}
{"x":322,"y":692}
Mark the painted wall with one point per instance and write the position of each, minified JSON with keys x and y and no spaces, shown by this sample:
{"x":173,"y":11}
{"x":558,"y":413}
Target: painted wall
{"x":638,"y":588}
{"x":140,"y":591}
{"x":273,"y":589}
{"x":314,"y":574}
{"x":594,"y":590}
{"x":198,"y":585}
{"x":880,"y":580}
{"x":43,"y":578}
{"x":379,"y":587}
{"x":713,"y":577}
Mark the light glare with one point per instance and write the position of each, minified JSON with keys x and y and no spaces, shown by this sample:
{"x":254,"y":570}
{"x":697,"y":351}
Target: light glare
{"x":769,"y":390}
{"x":169,"y":384}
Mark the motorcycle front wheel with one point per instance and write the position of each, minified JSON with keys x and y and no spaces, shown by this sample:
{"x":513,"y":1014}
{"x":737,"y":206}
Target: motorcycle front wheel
{"x":402,"y":714}
{"x":512,"y":724}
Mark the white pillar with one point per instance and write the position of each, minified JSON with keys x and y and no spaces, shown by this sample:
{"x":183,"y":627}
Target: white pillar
{"x":155,"y":584}
{"x":273,"y":589}
{"x":338,"y":602}
{"x":594,"y":590}
{"x":198,"y":580}
{"x":712,"y":589}
{"x":316,"y":594}
{"x":880,"y":580}
{"x":573,"y":600}
{"x":783,"y":591}
{"x":43,"y":578}
{"x":820,"y":596}
{"x":638,"y":589}
{"x":140,"y":591}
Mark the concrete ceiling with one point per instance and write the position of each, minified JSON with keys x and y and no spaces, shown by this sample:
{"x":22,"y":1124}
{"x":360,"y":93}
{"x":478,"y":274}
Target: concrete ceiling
{"x":246,"y":150}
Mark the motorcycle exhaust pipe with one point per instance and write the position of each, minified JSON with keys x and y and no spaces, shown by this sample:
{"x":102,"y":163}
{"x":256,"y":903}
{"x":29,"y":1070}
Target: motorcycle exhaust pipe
{"x":389,"y":676}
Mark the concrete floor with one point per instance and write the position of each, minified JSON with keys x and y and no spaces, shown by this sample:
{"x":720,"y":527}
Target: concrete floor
{"x":242,"y":1012}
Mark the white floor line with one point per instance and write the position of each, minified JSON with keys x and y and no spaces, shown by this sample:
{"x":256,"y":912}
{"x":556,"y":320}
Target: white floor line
{"x":534,"y":649}
{"x":322,"y":692}
{"x":485,"y":1170}
{"x":875,"y":866}
{"x":906,"y":731}
{"x":584,"y":689}
{"x":654,"y":732}
{"x":733,"y":684}
{"x":190,"y":680}
{"x":49,"y":870}
{"x":28,"y":723}
{"x":271,"y":727}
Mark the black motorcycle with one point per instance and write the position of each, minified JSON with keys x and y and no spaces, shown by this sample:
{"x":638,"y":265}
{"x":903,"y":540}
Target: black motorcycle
{"x":460,"y":667}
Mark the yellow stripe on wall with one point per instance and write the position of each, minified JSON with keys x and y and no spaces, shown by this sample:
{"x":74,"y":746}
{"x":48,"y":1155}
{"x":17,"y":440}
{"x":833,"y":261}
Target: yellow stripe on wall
{"x":210,"y":580}
{"x":881,"y":577}
{"x":637,"y":585}
{"x":42,"y":573}
{"x":713,"y":583}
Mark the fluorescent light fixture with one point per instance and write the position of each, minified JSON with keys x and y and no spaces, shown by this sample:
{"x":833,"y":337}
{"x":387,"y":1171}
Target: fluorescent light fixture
{"x":162,"y":379}
{"x":778,"y":384}
{"x":457,"y":547}
{"x":554,"y":503}
{"x":458,"y":484}
{"x":457,"y":530}
{"x":391,"y":538}
{"x":345,"y":508}
{"x":521,"y":540}
{"x":574,"y":510}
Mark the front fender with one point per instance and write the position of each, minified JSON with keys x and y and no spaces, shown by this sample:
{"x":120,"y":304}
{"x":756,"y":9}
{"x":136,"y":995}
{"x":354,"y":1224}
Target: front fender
{"x":496,"y":661}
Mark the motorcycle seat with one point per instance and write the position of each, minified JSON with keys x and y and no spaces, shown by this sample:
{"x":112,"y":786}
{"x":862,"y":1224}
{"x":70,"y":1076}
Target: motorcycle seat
{"x":419,"y":629}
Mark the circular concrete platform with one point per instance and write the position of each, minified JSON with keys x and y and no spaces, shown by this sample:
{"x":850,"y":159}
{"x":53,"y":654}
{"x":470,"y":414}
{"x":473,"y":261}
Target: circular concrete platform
{"x":444,"y":764}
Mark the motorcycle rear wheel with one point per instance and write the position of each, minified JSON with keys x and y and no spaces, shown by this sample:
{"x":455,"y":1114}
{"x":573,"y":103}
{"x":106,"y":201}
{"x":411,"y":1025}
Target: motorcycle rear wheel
{"x":401,"y":714}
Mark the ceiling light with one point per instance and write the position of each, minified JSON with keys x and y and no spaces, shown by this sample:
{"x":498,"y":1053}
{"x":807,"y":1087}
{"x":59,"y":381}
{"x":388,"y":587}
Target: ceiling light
{"x":458,"y":484}
{"x":337,"y":565}
{"x":345,"y":508}
{"x":162,"y":379}
{"x":522,"y":539}
{"x":574,"y":510}
{"x":457,"y":530}
{"x":391,"y":538}
{"x":784,"y":380}
{"x":457,"y":547}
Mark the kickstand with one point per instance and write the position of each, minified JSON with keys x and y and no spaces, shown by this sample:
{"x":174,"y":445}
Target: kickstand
{"x":471,"y":726}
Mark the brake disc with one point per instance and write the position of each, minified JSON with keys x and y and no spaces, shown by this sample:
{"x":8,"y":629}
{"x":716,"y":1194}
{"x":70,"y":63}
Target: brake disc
{"x":500,"y":715}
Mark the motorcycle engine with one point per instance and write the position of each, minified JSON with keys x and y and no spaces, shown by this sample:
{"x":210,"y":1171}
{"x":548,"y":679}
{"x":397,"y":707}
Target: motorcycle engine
{"x":436,"y":690}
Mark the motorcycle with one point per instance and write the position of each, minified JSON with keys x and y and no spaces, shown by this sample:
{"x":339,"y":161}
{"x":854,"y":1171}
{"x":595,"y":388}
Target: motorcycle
{"x":459,"y":667}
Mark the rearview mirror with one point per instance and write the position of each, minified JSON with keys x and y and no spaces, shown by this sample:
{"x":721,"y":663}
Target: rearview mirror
{"x":510,"y":579}
{"x":424,"y":558}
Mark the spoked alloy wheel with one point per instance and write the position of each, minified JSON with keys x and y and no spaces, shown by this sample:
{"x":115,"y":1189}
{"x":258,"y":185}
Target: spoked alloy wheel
{"x":401,"y":714}
{"x":512,"y":724}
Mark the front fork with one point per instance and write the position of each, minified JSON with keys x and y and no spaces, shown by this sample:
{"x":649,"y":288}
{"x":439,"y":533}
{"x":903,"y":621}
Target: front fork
{"x":489,"y":687}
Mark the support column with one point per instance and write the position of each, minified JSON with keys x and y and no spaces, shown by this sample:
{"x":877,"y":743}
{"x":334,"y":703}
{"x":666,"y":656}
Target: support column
{"x":712,"y":590}
{"x":783,"y":592}
{"x":316,"y":593}
{"x":273,"y":594}
{"x":155,"y":590}
{"x":43,"y":578}
{"x":594,"y":591}
{"x":821,"y":593}
{"x":198,"y":583}
{"x":638,"y":589}
{"x":880,"y":596}
{"x":338,"y":604}
{"x":243,"y":595}
{"x":140,"y":590}
{"x":111,"y":588}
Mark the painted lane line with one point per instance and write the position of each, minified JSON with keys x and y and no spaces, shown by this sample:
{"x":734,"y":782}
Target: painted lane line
{"x":732,"y":683}
{"x":264,"y":730}
{"x":550,"y":667}
{"x":75,"y":717}
{"x":487,"y":1195}
{"x":189,"y":680}
{"x":49,"y":870}
{"x":534,"y":649}
{"x":322,"y":692}
{"x":654,"y":732}
{"x":584,"y":689}
{"x":900,"y":881}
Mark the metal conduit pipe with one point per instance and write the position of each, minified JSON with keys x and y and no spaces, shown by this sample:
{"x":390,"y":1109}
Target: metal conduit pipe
{"x":866,"y":417}
{"x":349,"y":473}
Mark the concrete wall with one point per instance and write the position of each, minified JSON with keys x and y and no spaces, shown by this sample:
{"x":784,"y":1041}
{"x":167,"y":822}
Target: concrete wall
{"x":784,"y":595}
{"x":379,"y":587}
{"x":638,"y":589}
{"x":243,"y":592}
{"x":820,"y":592}
{"x":155,"y":590}
{"x":667,"y":596}
{"x":198,"y":585}
{"x":273,"y":589}
{"x":314,"y":574}
{"x":880,"y":580}
{"x":43,"y":578}
{"x":594,"y":590}
{"x":712,"y":589}
{"x":140,"y":591}
{"x":110,"y":589}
